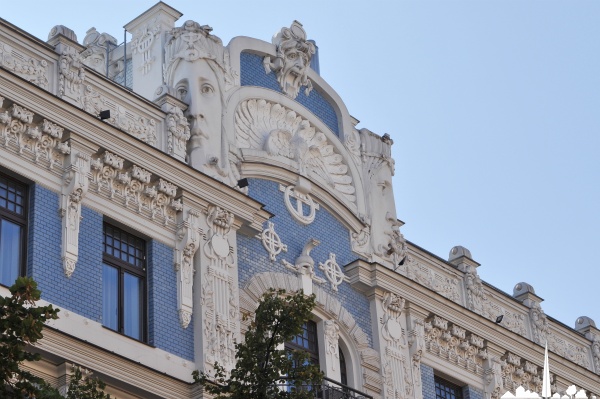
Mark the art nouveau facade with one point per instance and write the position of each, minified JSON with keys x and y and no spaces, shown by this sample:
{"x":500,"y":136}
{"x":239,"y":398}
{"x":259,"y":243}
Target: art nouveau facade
{"x":138,"y":227}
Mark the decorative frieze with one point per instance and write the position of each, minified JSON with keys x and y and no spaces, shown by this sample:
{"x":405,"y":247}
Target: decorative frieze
{"x":455,"y":344}
{"x":188,"y":242}
{"x":576,"y":353}
{"x":446,"y":286}
{"x":138,"y":126}
{"x":30,"y":69}
{"x":517,"y":371}
{"x":39,"y":142}
{"x":134,"y":188}
{"x":292,"y":60}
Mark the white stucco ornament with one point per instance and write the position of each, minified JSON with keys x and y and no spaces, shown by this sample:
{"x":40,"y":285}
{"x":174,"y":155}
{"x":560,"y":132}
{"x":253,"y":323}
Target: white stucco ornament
{"x":292,"y":60}
{"x":333,"y":272}
{"x":286,"y":137}
{"x":272,"y":242}
{"x":297,"y":201}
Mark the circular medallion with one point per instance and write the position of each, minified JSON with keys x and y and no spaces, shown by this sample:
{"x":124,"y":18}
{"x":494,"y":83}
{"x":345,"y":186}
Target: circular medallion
{"x":394,"y":329}
{"x":220,"y":246}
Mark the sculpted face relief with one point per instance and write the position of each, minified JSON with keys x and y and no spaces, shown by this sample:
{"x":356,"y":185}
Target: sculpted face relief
{"x":195,"y":72}
{"x":291,"y":64}
{"x":196,"y":84}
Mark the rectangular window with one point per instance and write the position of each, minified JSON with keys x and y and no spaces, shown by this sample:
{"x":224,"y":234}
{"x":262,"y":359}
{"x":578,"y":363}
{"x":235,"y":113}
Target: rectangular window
{"x":446,"y":390}
{"x":124,"y":282}
{"x":13,"y":222}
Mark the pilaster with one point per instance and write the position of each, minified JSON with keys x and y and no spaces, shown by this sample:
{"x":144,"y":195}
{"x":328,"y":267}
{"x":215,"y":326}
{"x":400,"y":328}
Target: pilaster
{"x":76,"y":179}
{"x":147,"y":43}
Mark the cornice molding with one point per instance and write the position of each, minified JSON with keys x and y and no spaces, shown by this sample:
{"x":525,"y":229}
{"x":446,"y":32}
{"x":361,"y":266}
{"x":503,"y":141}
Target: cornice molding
{"x":370,"y":277}
{"x":249,"y":212}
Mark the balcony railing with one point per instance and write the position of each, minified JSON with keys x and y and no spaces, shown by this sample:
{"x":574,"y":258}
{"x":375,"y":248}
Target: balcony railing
{"x":330,"y":389}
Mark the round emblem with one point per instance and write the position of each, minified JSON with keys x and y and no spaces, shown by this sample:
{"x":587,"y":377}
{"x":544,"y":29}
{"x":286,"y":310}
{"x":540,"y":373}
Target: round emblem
{"x":220,"y":246}
{"x":394,"y":329}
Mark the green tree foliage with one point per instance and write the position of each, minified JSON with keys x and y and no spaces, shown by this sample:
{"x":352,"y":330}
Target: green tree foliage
{"x":264,"y":370}
{"x":21,"y":325}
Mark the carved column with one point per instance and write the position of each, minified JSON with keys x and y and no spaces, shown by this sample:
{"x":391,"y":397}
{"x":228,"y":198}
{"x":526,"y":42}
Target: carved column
{"x":188,"y":242}
{"x":75,"y":186}
{"x":393,"y":346}
{"x":492,"y":368}
{"x":330,"y":350}
{"x":416,"y":341}
{"x":217,"y":324}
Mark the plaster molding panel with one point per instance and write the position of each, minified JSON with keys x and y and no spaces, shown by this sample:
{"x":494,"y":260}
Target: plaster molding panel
{"x":217,"y":324}
{"x":34,"y":63}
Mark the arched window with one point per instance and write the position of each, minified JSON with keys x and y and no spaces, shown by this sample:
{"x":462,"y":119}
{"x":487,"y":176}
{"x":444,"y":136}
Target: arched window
{"x":306,"y":341}
{"x":343,"y":372}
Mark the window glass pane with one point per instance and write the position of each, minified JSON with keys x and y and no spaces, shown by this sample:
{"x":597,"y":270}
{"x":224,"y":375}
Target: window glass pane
{"x":132,"y":305}
{"x":110,"y":297}
{"x":343,"y":375}
{"x":10,"y":252}
{"x":446,"y":390}
{"x":12,"y":196}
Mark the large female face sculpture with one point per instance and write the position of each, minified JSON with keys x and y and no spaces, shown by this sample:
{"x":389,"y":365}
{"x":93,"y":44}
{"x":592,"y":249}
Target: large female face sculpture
{"x":196,"y":84}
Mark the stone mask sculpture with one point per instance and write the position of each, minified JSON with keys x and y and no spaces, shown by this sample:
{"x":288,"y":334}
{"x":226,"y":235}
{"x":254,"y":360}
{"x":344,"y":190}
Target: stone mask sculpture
{"x":196,"y":71}
{"x":293,"y":57}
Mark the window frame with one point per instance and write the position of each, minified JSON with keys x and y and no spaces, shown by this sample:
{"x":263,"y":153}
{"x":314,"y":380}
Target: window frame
{"x":123,"y":267}
{"x":448,"y":386}
{"x":21,"y":220}
{"x":311,"y":330}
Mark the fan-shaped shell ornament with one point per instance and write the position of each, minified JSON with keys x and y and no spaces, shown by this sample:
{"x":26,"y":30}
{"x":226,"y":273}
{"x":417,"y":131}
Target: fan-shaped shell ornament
{"x":281,"y":132}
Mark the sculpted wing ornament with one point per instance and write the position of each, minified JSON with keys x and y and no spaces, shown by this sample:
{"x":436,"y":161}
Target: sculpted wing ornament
{"x":278,"y":131}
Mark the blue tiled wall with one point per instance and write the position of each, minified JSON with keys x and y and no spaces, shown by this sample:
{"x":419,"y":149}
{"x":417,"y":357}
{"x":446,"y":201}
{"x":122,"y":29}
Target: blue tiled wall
{"x":428,"y":382}
{"x":334,"y":238}
{"x":165,"y":331}
{"x":472,"y":393}
{"x":253,"y":74}
{"x":82,"y":293}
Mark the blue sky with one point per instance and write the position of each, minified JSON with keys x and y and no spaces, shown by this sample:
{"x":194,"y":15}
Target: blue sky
{"x":493,"y":107}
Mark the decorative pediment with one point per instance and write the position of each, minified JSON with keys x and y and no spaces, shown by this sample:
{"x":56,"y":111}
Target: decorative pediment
{"x":282,"y":133}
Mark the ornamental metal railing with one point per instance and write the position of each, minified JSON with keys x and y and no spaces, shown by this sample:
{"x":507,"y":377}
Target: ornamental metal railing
{"x":330,"y":389}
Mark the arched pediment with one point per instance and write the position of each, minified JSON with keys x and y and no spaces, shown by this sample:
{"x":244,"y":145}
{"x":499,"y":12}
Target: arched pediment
{"x":268,"y":128}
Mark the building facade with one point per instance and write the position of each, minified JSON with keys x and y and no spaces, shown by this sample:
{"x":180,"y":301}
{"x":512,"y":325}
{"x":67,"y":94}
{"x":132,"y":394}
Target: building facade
{"x":155,"y":190}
